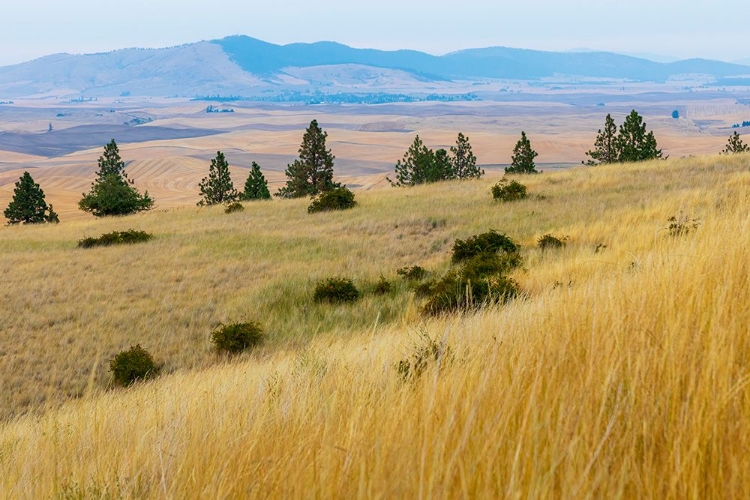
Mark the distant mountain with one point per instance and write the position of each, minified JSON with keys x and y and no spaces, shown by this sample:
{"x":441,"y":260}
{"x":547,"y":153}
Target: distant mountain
{"x":652,"y":57}
{"x":240,"y":65}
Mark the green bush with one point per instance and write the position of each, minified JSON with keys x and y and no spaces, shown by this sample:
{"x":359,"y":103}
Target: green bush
{"x":490,"y":242}
{"x":335,"y":199}
{"x":478,"y":282}
{"x":237,"y":337}
{"x":548,"y":242}
{"x":335,"y":290}
{"x":506,"y":191}
{"x":234,"y":207}
{"x":116,"y":238}
{"x":132,"y":365}
{"x":455,"y":292}
{"x":413,"y":273}
{"x":382,"y":287}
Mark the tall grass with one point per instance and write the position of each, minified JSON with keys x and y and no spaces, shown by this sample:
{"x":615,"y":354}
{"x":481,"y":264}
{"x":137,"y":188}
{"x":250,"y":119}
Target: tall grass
{"x":622,"y":374}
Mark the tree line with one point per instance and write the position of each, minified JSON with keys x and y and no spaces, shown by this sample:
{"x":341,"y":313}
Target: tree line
{"x":113,"y":193}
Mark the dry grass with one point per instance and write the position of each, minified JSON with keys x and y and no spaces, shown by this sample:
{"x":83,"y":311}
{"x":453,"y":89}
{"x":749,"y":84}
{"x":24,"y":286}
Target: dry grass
{"x":630,"y":380}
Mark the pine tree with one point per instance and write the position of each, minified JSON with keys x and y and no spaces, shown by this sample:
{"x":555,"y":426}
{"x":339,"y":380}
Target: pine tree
{"x":28,"y":205}
{"x":634,"y":143}
{"x":464,"y":162}
{"x":412,"y":168}
{"x":312,"y":173}
{"x":522,"y":161}
{"x":256,"y":186}
{"x":735,"y":145}
{"x":606,"y":146}
{"x":111,"y":192}
{"x":441,"y":167}
{"x":217,"y":187}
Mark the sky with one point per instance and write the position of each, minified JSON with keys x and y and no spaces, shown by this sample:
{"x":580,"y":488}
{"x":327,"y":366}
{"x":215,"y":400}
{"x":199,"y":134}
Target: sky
{"x":716,"y":29}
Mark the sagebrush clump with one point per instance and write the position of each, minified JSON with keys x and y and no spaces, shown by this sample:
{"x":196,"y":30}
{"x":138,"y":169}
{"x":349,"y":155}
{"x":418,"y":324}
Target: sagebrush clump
{"x":478,"y":278}
{"x":234,"y":207}
{"x":478,"y":282}
{"x":489,"y":242}
{"x":413,"y":273}
{"x":382,"y":287}
{"x":336,"y":290}
{"x":507,"y":191}
{"x":549,"y":242}
{"x":116,"y":238}
{"x":237,"y":337}
{"x":132,"y":365}
{"x":336,"y":199}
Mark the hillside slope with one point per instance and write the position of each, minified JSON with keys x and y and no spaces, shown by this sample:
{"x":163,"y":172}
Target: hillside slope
{"x":623,"y":372}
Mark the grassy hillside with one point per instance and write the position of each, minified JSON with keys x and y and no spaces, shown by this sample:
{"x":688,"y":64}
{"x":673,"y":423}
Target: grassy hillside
{"x":621,"y":373}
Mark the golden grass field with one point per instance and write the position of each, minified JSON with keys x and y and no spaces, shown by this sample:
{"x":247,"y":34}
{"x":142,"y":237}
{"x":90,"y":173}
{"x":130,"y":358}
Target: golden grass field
{"x":623,"y":373}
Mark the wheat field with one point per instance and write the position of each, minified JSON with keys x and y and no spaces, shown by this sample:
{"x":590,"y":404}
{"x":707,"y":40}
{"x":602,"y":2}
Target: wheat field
{"x":623,"y":371}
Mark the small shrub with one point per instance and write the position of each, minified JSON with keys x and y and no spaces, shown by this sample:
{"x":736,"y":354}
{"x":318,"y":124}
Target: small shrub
{"x":682,"y":225}
{"x":548,"y":242}
{"x":382,"y":287}
{"x":335,"y":290}
{"x":413,"y":273}
{"x":454,"y":293}
{"x":132,"y":365}
{"x":116,"y":238}
{"x":490,"y":242}
{"x":234,"y":207}
{"x":335,"y":199}
{"x":480,"y":281}
{"x":426,"y":350}
{"x":237,"y":337}
{"x":506,"y":191}
{"x":424,"y":288}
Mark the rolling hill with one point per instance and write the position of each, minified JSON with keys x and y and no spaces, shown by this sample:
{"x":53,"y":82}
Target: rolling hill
{"x":622,"y":372}
{"x":241,"y":65}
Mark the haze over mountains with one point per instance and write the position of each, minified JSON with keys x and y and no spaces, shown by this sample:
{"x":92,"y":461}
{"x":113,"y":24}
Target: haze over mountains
{"x":244,"y":66}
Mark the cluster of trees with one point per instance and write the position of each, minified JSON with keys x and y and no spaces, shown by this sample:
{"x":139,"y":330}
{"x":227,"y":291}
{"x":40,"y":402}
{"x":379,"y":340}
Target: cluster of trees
{"x":218,"y":188}
{"x":421,"y":165}
{"x":113,"y":193}
{"x":311,"y":174}
{"x":631,"y":143}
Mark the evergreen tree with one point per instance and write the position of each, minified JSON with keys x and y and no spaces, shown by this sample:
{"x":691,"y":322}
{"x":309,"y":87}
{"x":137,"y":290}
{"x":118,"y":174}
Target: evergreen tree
{"x":464,"y":162}
{"x":111,"y":192}
{"x":735,"y":145}
{"x":312,"y":173}
{"x":441,"y":167}
{"x":28,"y":205}
{"x":633,"y":143}
{"x":522,"y":161}
{"x":606,"y":147}
{"x":256,"y":186}
{"x":217,"y":187}
{"x":412,"y":168}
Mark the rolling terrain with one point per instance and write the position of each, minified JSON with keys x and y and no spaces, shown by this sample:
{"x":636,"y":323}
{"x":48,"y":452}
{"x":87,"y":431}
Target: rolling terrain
{"x":169,"y":152}
{"x":621,"y":372}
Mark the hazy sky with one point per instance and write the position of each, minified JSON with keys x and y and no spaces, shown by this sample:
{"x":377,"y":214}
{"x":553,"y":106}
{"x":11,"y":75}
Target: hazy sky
{"x":715,"y":29}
